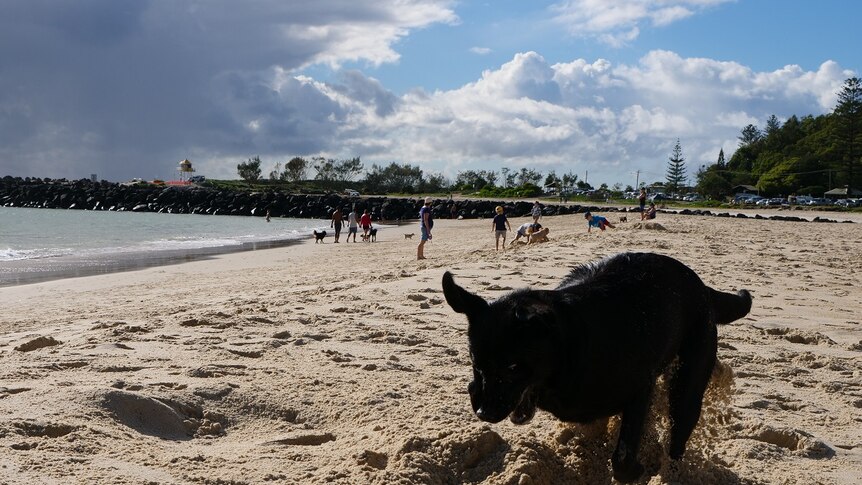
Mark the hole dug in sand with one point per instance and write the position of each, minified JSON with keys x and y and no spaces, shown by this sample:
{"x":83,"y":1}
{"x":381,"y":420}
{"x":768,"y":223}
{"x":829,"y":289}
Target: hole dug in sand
{"x":162,"y":418}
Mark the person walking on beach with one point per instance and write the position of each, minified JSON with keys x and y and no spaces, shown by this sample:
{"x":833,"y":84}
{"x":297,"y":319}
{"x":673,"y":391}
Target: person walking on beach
{"x":597,"y":221}
{"x":536,"y":212}
{"x":337,"y":221}
{"x":267,"y":215}
{"x":499,"y":226}
{"x":642,"y":199}
{"x":426,"y":222}
{"x":365,"y":222}
{"x":352,"y":225}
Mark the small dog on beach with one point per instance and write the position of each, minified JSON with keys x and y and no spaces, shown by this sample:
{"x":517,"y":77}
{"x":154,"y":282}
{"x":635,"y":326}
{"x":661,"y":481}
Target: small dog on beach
{"x":318,"y":236}
{"x":579,"y":355}
{"x":409,"y":236}
{"x":624,"y":219}
{"x":371,"y":236}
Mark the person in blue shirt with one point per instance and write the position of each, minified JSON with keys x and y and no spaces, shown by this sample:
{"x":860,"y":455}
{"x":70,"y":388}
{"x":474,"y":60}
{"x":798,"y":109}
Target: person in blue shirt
{"x":597,"y":221}
{"x":426,"y":222}
{"x":499,"y":226}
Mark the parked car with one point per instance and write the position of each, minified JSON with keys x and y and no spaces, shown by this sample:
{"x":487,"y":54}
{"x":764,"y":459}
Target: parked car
{"x":772,"y":202}
{"x":351,"y":193}
{"x":658,"y":197}
{"x":746,"y":198}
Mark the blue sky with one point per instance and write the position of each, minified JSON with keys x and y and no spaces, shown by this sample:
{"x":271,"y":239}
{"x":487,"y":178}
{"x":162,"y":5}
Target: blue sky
{"x":605,"y":87}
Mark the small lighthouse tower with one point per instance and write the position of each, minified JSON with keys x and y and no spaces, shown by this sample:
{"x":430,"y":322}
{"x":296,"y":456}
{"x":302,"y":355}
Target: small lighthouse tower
{"x":185,"y":170}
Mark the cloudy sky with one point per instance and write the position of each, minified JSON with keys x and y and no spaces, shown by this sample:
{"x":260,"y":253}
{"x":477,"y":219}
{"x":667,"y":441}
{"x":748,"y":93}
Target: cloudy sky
{"x":600,"y":87}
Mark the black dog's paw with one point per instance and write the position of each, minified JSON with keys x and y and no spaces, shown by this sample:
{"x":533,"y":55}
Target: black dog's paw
{"x":627,"y":472}
{"x":525,"y":410}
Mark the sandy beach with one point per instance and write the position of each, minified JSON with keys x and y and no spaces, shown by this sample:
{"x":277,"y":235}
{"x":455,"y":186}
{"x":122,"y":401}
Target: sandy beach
{"x":342,"y":363}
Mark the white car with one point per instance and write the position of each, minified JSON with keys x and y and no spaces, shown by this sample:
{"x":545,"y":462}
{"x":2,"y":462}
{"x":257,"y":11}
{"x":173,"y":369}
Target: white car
{"x":351,"y":193}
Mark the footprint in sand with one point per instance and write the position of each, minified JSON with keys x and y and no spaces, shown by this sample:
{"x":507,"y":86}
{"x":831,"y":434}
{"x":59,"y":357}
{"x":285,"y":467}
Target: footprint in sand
{"x":304,"y":439}
{"x":37,"y":343}
{"x":797,"y":441}
{"x":41,"y":429}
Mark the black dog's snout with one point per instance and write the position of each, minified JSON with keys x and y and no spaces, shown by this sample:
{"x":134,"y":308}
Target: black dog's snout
{"x":480,"y":413}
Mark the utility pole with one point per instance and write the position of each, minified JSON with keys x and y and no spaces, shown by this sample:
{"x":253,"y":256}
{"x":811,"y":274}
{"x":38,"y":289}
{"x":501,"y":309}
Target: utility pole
{"x":637,"y":179}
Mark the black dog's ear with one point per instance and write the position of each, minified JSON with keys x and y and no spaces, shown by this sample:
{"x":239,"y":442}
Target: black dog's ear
{"x":461,"y":300}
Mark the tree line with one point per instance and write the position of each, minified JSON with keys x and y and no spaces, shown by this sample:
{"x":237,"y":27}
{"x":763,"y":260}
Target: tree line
{"x":332,"y":174}
{"x":808,"y":155}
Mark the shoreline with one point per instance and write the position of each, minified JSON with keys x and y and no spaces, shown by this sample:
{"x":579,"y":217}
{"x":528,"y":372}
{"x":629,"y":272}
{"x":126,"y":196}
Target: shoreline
{"x":30,"y":271}
{"x":25,"y":272}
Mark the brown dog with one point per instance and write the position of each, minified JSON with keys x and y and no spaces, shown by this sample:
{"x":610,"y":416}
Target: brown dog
{"x":409,"y":236}
{"x":539,"y":236}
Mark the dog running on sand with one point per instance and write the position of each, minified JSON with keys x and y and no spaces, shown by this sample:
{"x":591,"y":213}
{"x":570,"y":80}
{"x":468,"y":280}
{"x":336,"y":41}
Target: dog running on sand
{"x":318,"y":236}
{"x":576,"y":353}
{"x":409,"y":236}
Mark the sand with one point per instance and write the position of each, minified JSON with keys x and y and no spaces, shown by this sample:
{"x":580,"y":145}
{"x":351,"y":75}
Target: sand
{"x":342,"y":363}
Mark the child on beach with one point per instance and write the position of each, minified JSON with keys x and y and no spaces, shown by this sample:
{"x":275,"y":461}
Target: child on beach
{"x":536,"y":212}
{"x":597,"y":221}
{"x":499,"y":226}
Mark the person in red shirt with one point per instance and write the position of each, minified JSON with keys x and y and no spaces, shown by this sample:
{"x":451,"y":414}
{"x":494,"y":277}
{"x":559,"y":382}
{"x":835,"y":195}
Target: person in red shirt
{"x":365,"y":222}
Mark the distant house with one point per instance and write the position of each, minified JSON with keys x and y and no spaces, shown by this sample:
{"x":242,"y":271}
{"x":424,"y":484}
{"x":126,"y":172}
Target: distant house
{"x":656,"y":188}
{"x":745,"y":189}
{"x":842,"y":193}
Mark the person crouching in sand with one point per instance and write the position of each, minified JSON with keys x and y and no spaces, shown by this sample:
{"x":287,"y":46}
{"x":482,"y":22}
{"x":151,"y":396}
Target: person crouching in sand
{"x":597,"y":221}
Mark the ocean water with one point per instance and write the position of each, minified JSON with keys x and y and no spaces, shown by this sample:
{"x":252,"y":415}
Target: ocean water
{"x":43,"y":244}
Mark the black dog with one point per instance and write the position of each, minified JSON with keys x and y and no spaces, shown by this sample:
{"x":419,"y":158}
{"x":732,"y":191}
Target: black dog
{"x":578,"y":354}
{"x":318,"y":236}
{"x":371,"y":236}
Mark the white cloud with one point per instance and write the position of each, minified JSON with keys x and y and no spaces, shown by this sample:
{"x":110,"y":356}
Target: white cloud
{"x":480,"y":50}
{"x":585,"y":115}
{"x":618,"y":22}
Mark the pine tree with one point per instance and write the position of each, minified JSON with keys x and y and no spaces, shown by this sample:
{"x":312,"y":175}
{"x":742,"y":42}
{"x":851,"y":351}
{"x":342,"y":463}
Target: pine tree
{"x":720,"y":164}
{"x":675,"y":174}
{"x":847,"y":134}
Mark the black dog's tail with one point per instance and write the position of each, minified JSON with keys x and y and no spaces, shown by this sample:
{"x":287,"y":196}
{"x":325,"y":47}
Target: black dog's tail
{"x":727,"y":307}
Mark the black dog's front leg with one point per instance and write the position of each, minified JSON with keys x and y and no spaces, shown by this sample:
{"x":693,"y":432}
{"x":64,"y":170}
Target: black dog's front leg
{"x":475,"y":390}
{"x":627,"y":468}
